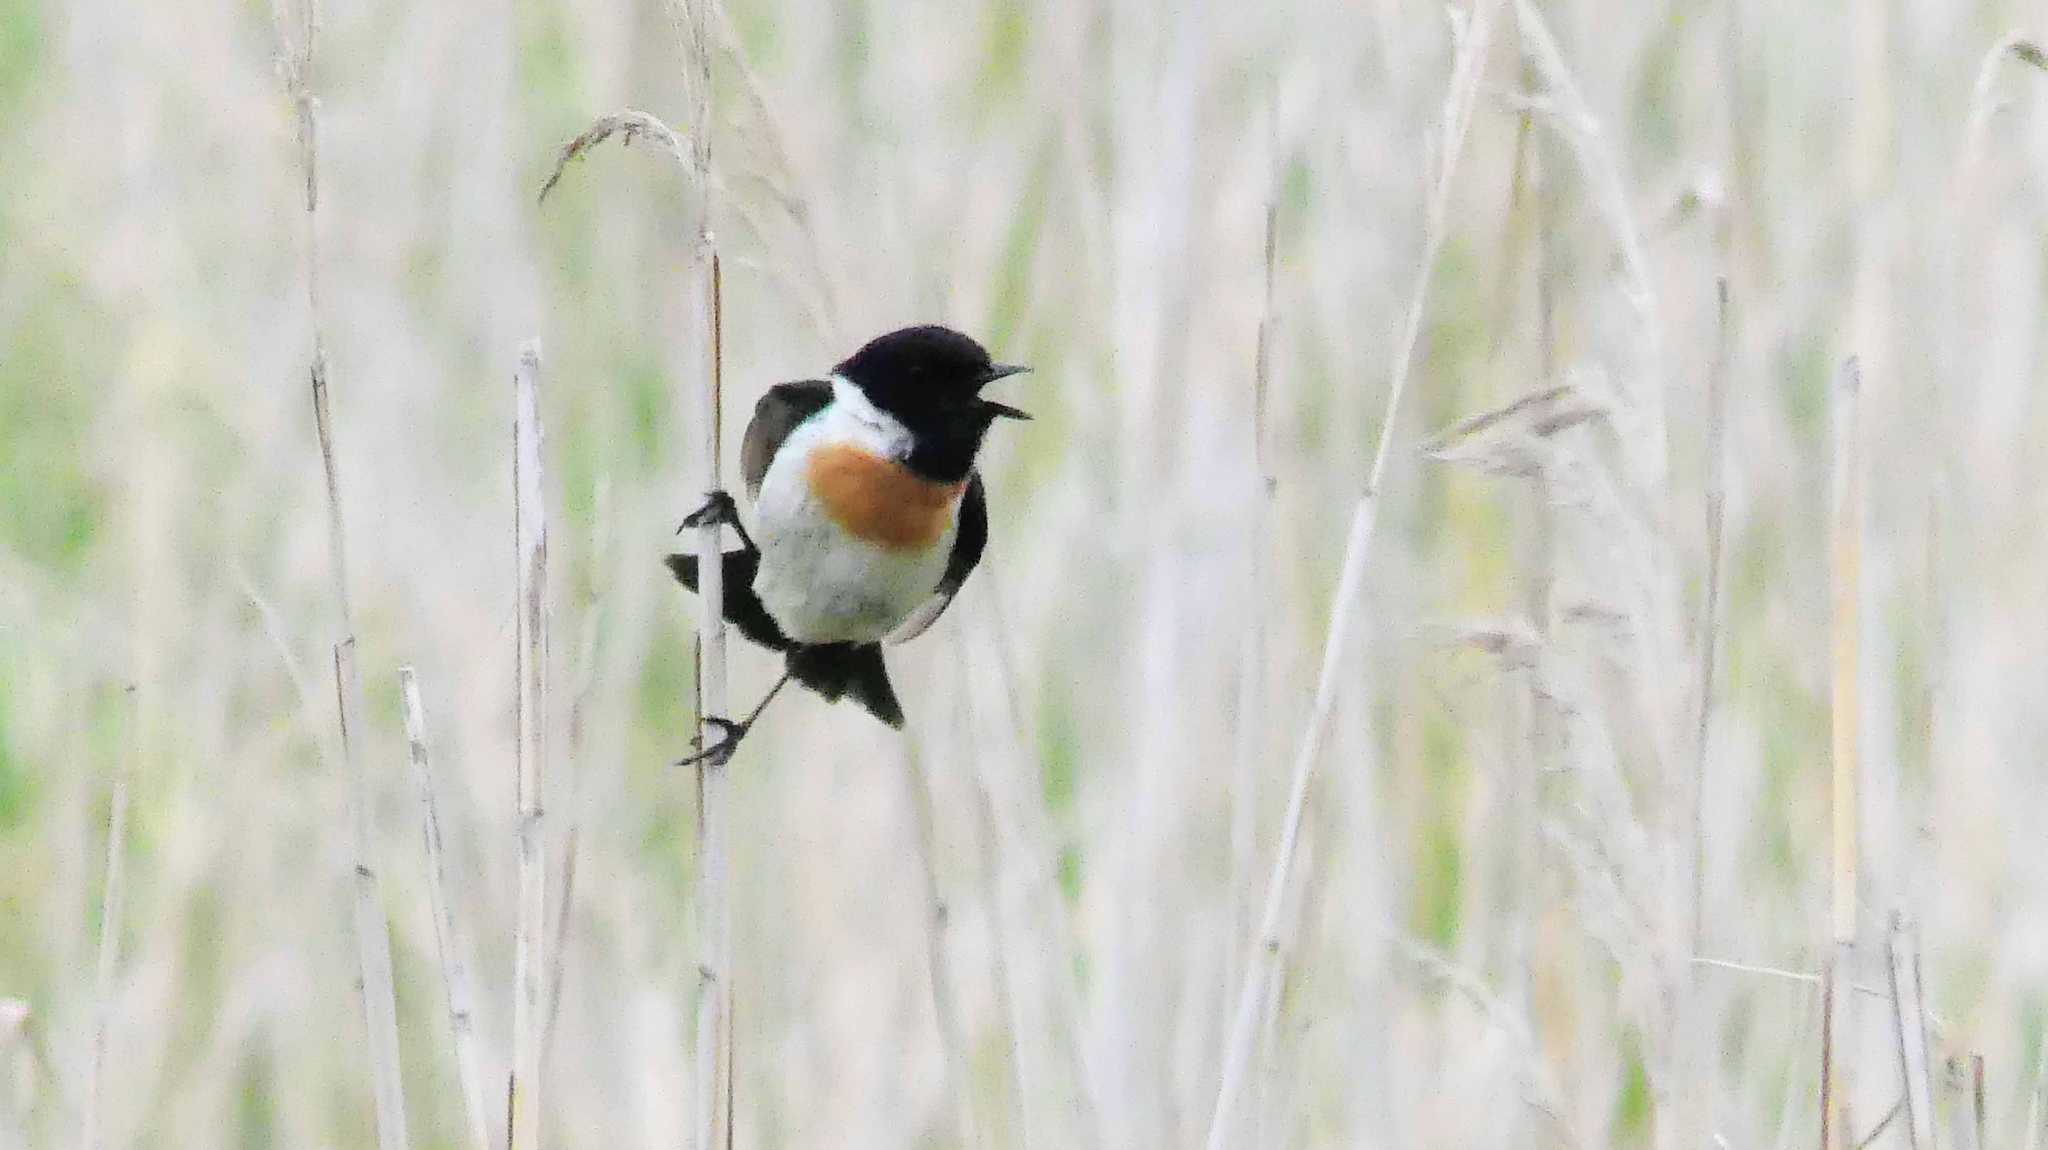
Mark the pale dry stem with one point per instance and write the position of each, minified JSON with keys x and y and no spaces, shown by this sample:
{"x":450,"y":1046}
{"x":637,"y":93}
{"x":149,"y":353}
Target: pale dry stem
{"x":1243,"y":1034}
{"x":455,"y":982}
{"x":530,"y":555}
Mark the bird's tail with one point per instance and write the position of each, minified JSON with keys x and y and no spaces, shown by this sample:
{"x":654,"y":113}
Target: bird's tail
{"x":840,"y":670}
{"x":743,"y":608}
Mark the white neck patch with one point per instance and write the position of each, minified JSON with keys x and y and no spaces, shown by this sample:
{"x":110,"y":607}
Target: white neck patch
{"x":884,"y":432}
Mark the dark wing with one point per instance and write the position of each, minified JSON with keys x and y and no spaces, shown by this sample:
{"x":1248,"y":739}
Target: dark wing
{"x":780,"y":411}
{"x":743,"y":608}
{"x":968,"y":543}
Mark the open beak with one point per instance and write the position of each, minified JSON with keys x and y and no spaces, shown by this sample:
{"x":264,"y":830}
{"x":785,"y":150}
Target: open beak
{"x":990,"y":407}
{"x":1002,"y":410}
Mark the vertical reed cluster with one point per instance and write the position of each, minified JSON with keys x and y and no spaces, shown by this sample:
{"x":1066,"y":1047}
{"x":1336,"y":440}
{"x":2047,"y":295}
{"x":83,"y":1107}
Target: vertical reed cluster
{"x":1571,"y":863}
{"x":530,"y":552}
{"x":373,"y":939}
{"x":1457,"y":116}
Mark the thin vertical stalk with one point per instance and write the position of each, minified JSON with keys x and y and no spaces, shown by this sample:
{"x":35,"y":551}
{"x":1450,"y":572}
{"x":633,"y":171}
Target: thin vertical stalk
{"x":1832,"y":1136}
{"x":380,"y":1003}
{"x":579,"y":697}
{"x":714,"y":1010}
{"x":1264,"y":1091}
{"x":1847,"y":580}
{"x":1909,"y":1029}
{"x":2035,"y":1096}
{"x":1023,"y":821}
{"x":1966,"y":1113}
{"x":714,"y":1068}
{"x":448,"y":941}
{"x":1542,"y":722}
{"x":1252,"y":659}
{"x":1847,"y":583}
{"x":110,"y":936}
{"x":530,"y":554}
{"x":558,"y":937}
{"x":1708,"y":634}
{"x":1004,"y":958}
{"x":1024,"y":1088}
{"x":1602,"y":175}
{"x":1243,"y":1036}
{"x":1527,"y":751}
{"x":1977,"y":1096}
{"x":1695,"y":1058}
{"x":373,"y":941}
{"x":945,"y":1014}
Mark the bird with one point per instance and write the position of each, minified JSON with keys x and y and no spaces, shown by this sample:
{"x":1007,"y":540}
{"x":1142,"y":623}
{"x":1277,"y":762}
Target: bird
{"x":869,"y":515}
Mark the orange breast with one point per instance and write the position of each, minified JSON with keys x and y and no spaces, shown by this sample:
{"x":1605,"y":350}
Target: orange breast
{"x":879,"y":499}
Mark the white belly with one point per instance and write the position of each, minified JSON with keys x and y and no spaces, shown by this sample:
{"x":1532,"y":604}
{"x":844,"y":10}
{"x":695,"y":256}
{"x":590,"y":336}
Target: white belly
{"x":819,"y":582}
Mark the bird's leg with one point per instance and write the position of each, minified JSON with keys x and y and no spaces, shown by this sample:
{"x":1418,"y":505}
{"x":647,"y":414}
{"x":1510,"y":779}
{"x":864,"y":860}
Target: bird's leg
{"x":719,"y":508}
{"x":720,"y":753}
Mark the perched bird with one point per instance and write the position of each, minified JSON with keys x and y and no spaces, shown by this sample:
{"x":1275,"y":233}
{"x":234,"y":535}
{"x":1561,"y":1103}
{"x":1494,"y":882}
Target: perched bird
{"x":868,"y":514}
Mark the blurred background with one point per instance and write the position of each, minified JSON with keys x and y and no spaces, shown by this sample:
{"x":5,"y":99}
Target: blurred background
{"x":1491,"y":936}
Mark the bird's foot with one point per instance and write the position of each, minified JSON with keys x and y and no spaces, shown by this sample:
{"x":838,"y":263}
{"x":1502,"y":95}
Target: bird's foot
{"x":718,"y":510}
{"x":719,"y":753}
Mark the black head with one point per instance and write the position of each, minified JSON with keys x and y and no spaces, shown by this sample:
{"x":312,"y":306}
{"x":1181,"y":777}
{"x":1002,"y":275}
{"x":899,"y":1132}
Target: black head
{"x":930,"y":379}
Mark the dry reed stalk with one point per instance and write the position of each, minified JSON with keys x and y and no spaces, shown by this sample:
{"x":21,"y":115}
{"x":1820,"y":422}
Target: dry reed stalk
{"x":373,"y":939}
{"x":1977,"y":1113}
{"x":1540,"y":1090}
{"x":1264,"y":1091}
{"x":558,"y":937}
{"x":1847,"y":548}
{"x":584,"y":679}
{"x":714,"y":1010}
{"x":380,"y":1004}
{"x":945,"y":1014}
{"x":1540,"y":722}
{"x":1458,"y":103}
{"x":1003,"y":977}
{"x":766,"y":159}
{"x":1026,"y":831}
{"x":1603,"y":176}
{"x":1966,"y":1113}
{"x":1707,"y":637}
{"x":1267,"y":1089}
{"x":1804,"y":978}
{"x":1910,"y":1030}
{"x":1871,"y":135}
{"x":110,"y":937}
{"x":714,"y":1068}
{"x":1798,"y":976}
{"x":1696,"y":1063}
{"x":1832,"y":1116}
{"x":1809,"y":1022}
{"x":2035,"y":1096}
{"x":1847,"y":529}
{"x":1512,"y":886}
{"x":448,"y":941}
{"x":530,"y":556}
{"x":1647,"y":591}
{"x":1252,"y":665}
